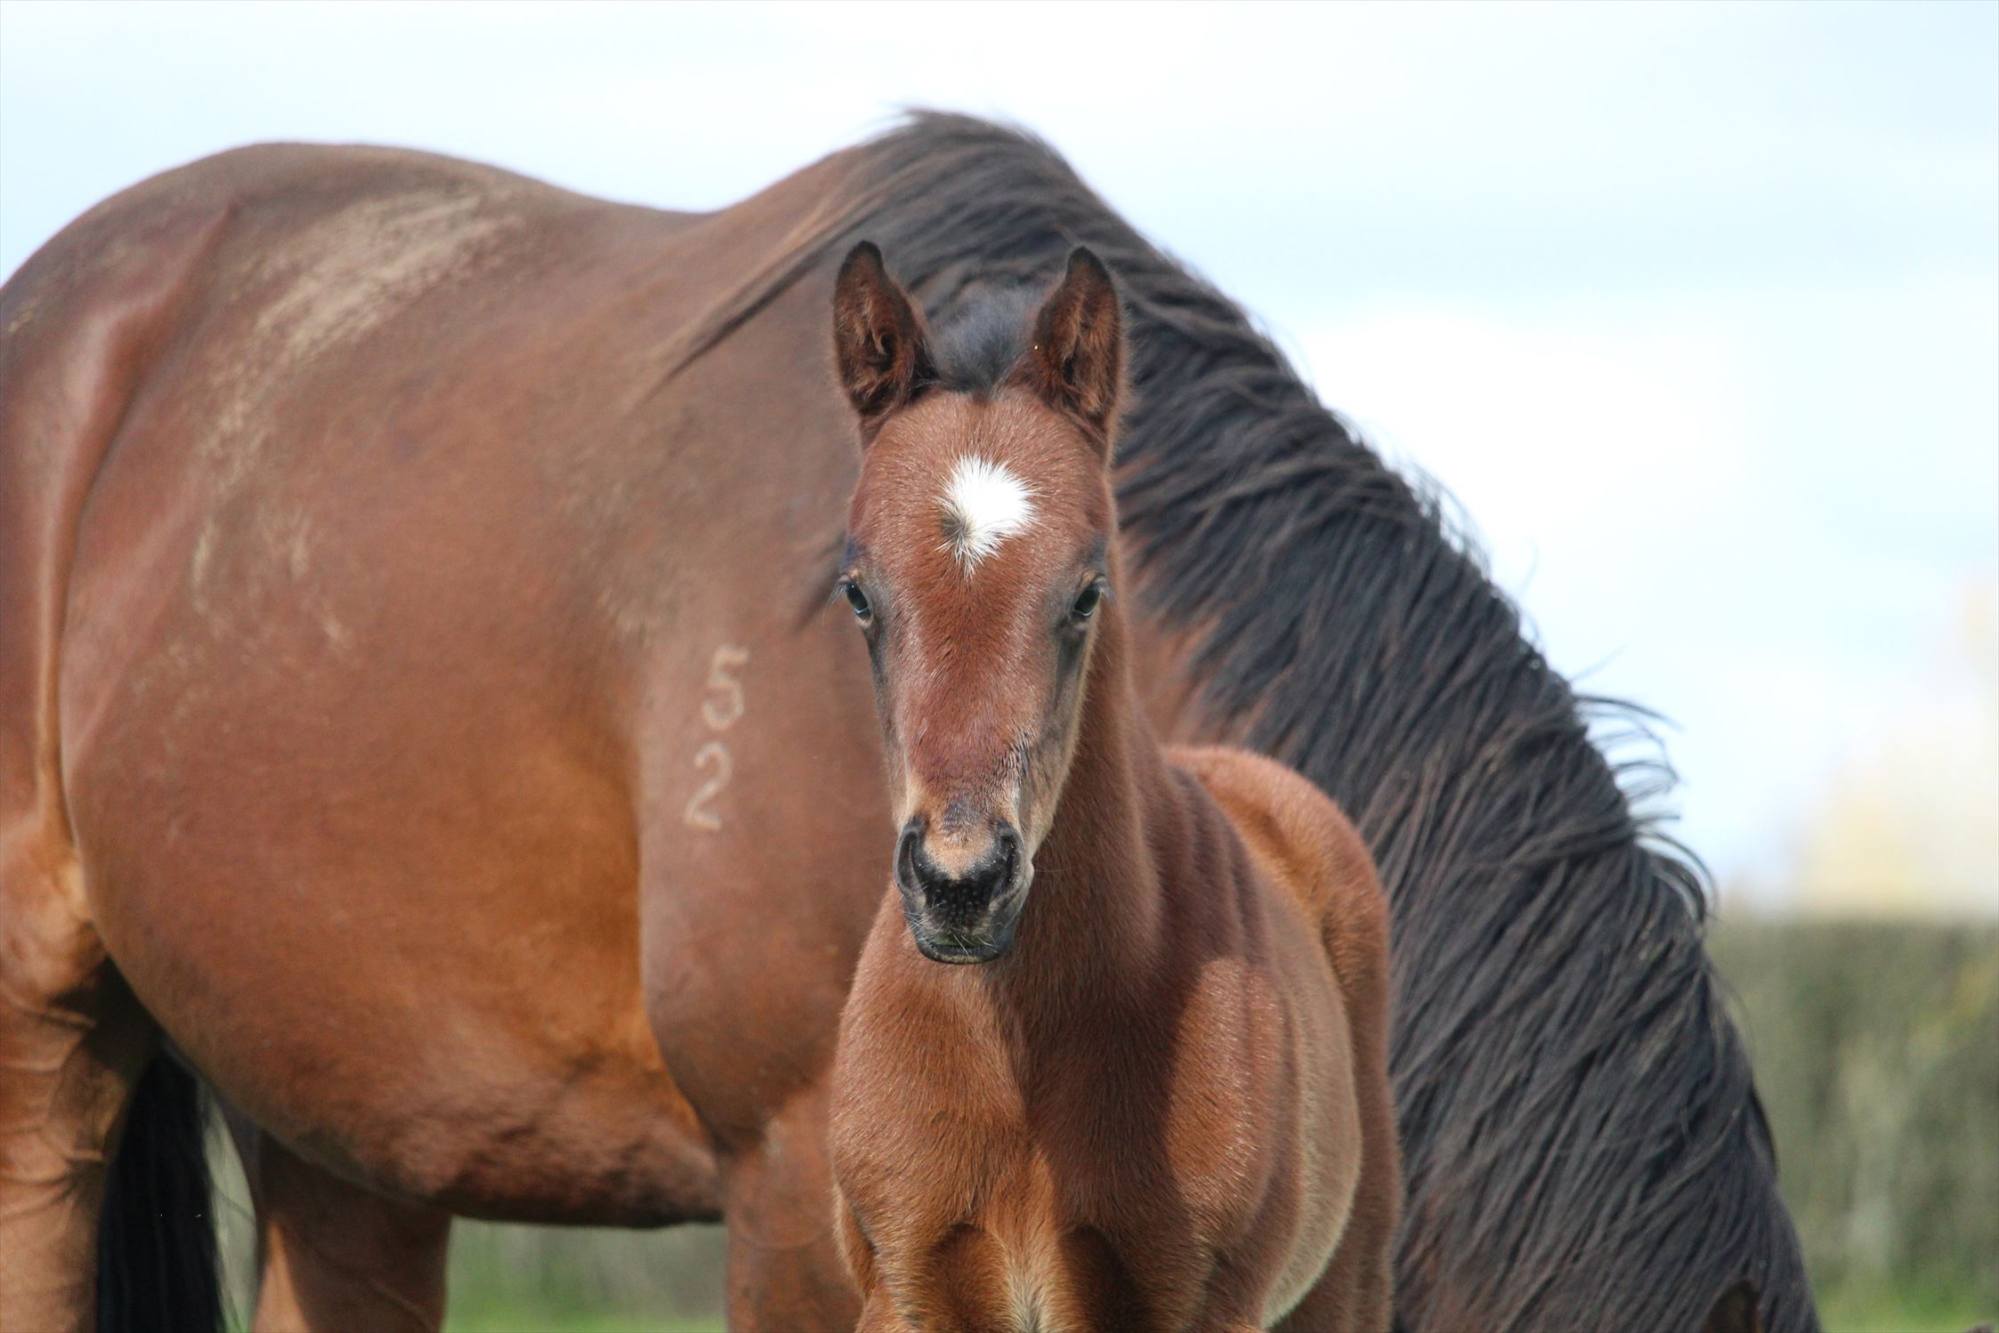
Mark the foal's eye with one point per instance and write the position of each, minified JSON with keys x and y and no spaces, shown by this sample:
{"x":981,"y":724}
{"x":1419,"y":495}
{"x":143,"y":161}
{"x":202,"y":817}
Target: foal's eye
{"x":858,"y":600}
{"x":1086,"y":603}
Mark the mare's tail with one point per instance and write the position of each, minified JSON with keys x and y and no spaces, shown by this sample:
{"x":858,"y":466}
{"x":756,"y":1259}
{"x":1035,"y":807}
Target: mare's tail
{"x":157,"y":1265}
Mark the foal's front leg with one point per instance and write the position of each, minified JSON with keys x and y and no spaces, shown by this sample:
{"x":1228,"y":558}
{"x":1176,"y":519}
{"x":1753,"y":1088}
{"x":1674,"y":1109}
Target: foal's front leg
{"x":878,"y":1316}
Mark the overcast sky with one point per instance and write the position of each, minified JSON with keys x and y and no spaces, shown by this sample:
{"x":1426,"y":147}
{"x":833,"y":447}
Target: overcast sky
{"x":1694,"y":307}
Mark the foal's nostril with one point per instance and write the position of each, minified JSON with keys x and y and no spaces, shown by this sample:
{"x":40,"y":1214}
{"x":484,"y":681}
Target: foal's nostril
{"x":908,"y":851}
{"x":961,"y":899}
{"x":1008,"y":847}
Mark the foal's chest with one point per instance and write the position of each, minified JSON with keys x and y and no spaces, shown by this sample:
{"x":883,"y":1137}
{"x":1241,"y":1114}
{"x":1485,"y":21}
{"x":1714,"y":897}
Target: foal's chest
{"x":1023,"y":1262}
{"x":1047,"y":1246}
{"x":1133,"y":1178}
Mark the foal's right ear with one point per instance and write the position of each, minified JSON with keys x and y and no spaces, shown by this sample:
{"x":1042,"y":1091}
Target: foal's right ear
{"x":878,"y":339}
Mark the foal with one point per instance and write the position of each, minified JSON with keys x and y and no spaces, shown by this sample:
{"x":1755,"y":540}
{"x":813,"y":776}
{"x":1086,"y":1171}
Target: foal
{"x":1160,"y":1100}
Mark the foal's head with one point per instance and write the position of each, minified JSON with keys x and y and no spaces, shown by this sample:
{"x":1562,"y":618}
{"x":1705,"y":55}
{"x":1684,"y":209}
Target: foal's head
{"x":978,"y":565}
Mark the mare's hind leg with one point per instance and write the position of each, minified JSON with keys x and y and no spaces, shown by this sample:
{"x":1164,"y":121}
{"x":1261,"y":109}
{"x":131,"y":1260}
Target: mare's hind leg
{"x":785,"y":1274}
{"x":73,"y":1043}
{"x":333,"y":1256}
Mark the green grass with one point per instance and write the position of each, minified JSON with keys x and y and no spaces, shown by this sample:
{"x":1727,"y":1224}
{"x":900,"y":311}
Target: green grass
{"x":547,"y":1319}
{"x":1906,"y":1309}
{"x":1843,"y":1310}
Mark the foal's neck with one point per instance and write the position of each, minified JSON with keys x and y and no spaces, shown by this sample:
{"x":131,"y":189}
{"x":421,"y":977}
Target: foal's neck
{"x":1093,"y":924}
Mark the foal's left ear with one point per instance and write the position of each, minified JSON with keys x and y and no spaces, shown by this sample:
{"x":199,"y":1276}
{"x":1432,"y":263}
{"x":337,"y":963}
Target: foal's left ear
{"x":1076,"y":362}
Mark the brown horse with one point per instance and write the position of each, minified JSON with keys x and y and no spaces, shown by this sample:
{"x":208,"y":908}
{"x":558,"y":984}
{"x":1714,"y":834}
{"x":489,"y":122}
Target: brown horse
{"x":417,"y":720}
{"x":1162,"y":1102}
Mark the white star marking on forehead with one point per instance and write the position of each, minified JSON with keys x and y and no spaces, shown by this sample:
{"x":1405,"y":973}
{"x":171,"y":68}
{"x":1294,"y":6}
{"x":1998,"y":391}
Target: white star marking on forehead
{"x":984,"y":503}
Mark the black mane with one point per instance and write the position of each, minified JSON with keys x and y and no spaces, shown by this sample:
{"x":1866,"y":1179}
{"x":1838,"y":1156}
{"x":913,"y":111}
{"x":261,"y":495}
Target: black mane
{"x":1581,"y":1136}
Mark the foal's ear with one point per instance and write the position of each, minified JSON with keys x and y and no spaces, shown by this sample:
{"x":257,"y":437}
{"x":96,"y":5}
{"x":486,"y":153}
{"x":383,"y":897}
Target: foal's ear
{"x":878,"y":339}
{"x":1076,"y":362}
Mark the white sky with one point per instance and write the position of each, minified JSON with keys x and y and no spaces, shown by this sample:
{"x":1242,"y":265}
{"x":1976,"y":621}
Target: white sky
{"x":1694,"y":307}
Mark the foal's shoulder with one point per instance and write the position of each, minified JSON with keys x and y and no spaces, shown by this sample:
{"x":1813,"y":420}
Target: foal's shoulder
{"x":1297,"y":833}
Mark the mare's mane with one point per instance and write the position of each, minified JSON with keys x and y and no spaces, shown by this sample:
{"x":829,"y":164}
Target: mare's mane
{"x":1582,"y":1142}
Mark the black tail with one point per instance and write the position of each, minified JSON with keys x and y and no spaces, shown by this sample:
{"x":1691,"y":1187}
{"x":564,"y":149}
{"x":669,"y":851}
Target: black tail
{"x":157,"y":1265}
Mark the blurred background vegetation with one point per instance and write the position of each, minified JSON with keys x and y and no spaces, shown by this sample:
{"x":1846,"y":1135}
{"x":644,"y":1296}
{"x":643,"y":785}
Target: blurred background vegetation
{"x":1876,"y":1045}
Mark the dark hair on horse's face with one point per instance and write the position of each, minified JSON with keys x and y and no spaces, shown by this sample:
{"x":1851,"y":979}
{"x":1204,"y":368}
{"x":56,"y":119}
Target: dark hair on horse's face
{"x":1583,"y":1146}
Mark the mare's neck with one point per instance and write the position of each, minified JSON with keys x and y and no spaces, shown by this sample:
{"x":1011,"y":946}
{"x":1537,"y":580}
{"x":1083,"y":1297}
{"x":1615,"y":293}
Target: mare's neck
{"x":1093,"y":923}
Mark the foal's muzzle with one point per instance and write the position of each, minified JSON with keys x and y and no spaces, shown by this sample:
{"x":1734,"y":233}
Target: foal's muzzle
{"x":967,"y":915}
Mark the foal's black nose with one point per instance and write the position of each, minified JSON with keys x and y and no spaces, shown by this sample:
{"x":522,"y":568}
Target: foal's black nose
{"x":956,"y":900}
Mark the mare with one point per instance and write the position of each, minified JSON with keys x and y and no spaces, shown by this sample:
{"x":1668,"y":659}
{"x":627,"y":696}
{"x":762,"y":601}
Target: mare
{"x":419,"y":724}
{"x":1158,"y":1098}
